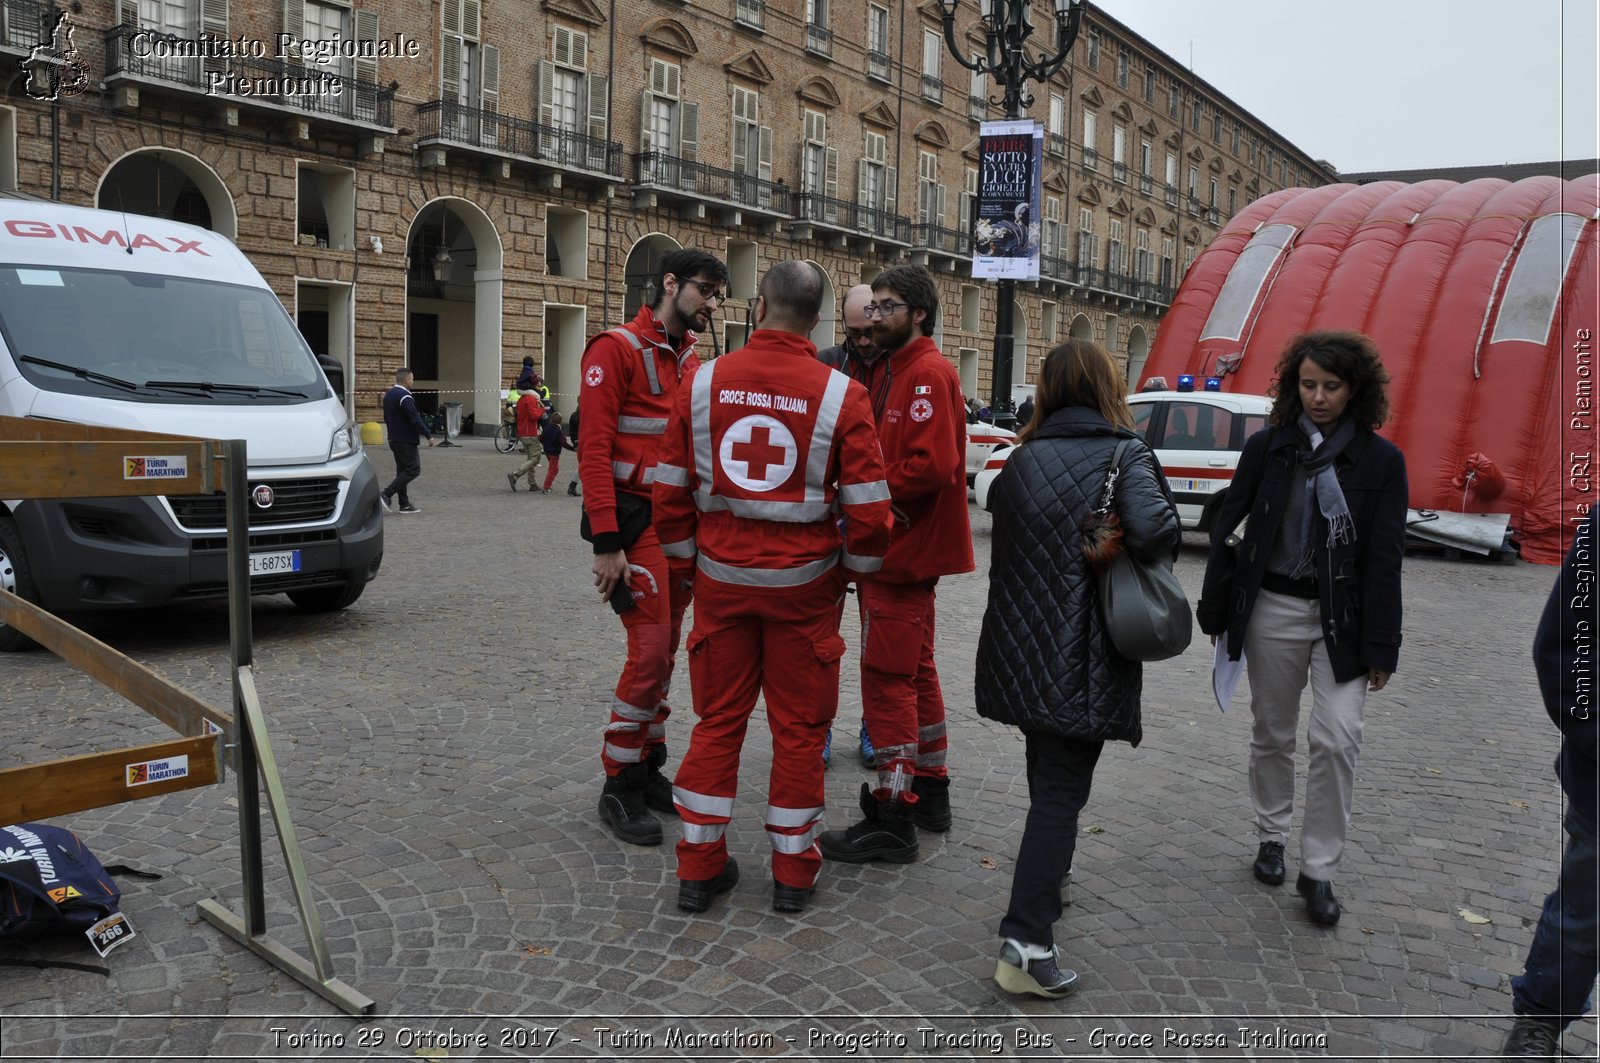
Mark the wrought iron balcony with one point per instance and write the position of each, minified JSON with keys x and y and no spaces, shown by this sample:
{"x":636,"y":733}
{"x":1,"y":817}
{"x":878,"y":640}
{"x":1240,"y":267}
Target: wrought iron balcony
{"x":878,"y":65}
{"x":318,"y":90}
{"x":852,"y":217}
{"x":819,"y":40}
{"x":751,"y":13}
{"x":699,"y":181}
{"x":1091,"y":159}
{"x":977,"y":107}
{"x":450,"y":123}
{"x":24,"y":24}
{"x":1146,"y":185}
{"x":936,"y":238}
{"x":932,"y":89}
{"x":1169,"y":195}
{"x":1056,"y":144}
{"x":1119,"y":172}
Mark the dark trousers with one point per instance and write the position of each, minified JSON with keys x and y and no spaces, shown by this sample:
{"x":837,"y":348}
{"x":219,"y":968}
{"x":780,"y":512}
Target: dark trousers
{"x":1060,"y":771}
{"x":407,"y":467}
{"x":1565,"y":955}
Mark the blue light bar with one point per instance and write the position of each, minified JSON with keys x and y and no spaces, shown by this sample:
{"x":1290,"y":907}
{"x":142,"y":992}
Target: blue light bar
{"x":1186,"y":382}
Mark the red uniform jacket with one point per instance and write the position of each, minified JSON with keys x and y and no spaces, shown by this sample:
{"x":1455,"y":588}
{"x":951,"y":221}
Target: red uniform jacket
{"x":529,"y":410}
{"x":766,"y":447}
{"x":630,"y":375}
{"x":922,"y":426}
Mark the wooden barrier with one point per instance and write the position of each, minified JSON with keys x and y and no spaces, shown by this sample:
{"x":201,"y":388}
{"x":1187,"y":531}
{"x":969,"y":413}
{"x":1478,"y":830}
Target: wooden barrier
{"x":53,"y":459}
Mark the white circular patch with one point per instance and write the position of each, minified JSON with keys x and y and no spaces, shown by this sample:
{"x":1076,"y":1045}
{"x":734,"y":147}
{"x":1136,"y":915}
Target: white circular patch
{"x":921,"y":409}
{"x":758,"y":453}
{"x":594,"y":376}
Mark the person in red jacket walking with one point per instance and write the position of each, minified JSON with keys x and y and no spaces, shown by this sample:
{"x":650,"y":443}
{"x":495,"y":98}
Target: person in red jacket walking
{"x":630,"y":376}
{"x":916,"y":395}
{"x":765,"y":450}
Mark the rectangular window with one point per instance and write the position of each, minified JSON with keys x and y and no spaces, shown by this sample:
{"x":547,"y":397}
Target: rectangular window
{"x":1197,"y":116}
{"x":1216,"y":125}
{"x":1166,"y":261}
{"x":1233,"y":201}
{"x":1174,"y":102}
{"x":930,"y":195}
{"x":1122,"y":69}
{"x":1213,"y":199}
{"x":1114,"y":252}
{"x":1233,"y":137}
{"x":1528,"y":307}
{"x":1091,"y":157}
{"x":878,"y":42}
{"x":1094,"y":50}
{"x":1150,"y":83}
{"x":932,"y":72}
{"x":1119,"y":148}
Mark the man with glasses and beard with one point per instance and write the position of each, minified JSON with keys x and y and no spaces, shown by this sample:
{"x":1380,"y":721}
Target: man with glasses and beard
{"x":917,"y":402}
{"x":630,"y":375}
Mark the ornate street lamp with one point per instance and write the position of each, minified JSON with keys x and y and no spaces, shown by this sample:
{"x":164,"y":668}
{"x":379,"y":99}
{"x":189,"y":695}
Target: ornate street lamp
{"x":1006,"y":29}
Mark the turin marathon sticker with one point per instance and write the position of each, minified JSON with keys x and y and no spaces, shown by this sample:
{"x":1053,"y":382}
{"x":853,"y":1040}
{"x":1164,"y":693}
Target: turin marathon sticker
{"x":149,"y":771}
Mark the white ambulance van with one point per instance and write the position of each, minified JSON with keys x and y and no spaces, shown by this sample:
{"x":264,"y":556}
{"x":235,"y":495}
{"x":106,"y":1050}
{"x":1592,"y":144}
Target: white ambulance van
{"x":135,"y":322}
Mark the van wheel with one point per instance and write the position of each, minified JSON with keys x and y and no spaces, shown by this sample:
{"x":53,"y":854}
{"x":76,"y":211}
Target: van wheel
{"x":14,"y":577}
{"x":327,"y":599}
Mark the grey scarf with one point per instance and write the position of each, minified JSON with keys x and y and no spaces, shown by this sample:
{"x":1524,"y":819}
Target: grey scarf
{"x":1317,"y":464}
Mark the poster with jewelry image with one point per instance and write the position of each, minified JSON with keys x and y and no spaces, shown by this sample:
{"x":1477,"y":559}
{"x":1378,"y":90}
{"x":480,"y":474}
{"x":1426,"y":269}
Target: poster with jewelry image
{"x":1005,"y":234}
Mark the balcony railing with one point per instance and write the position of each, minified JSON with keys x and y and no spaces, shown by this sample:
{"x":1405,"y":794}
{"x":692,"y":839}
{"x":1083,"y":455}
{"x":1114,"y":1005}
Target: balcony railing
{"x":711,"y":182}
{"x":842,"y":214}
{"x":1056,"y":144}
{"x":752,"y":13}
{"x":320,"y":90}
{"x":954,"y":242}
{"x":977,"y":107}
{"x":1119,"y":172}
{"x":1194,"y":205}
{"x":878,"y":65}
{"x":1091,"y":159}
{"x":24,"y":23}
{"x":932,"y":89}
{"x":819,"y":40}
{"x":1146,"y":184}
{"x":1169,"y":195}
{"x":456,"y":123}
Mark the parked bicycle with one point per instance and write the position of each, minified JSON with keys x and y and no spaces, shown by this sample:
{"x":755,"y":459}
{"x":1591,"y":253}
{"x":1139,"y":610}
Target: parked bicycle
{"x":505,"y":437}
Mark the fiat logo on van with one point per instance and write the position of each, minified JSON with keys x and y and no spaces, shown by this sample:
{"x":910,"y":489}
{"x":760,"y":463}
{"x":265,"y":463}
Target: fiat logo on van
{"x":262,"y":496}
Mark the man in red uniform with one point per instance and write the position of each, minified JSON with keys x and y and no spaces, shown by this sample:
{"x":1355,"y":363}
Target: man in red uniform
{"x":766,"y":448}
{"x":922,"y":428}
{"x":630,"y":375}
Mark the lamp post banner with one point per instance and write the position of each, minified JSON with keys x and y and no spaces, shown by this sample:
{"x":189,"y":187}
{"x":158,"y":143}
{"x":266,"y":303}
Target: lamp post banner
{"x":1005,"y":236}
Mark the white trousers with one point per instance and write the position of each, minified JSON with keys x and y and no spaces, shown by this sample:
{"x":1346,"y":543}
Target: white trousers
{"x":1283,"y":646}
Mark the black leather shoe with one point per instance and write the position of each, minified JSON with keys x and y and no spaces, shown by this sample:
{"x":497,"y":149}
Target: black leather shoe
{"x":622,"y":809}
{"x":1320,"y":905}
{"x":790,"y":898}
{"x":696,"y":896}
{"x":1533,"y":1037}
{"x":1269,"y":863}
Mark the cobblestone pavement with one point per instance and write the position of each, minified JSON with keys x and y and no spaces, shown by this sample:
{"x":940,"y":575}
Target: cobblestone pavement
{"x":439,"y":741}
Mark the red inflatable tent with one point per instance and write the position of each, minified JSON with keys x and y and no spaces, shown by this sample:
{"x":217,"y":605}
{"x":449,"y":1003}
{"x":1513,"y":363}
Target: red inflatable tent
{"x":1482,"y":298}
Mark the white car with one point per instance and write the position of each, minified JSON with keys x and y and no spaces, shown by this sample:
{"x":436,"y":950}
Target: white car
{"x":982,"y":441}
{"x":1197,"y":436}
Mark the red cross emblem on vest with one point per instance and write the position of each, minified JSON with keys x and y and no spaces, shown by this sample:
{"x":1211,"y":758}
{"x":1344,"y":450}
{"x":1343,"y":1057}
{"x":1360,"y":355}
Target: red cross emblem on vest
{"x":758,"y":453}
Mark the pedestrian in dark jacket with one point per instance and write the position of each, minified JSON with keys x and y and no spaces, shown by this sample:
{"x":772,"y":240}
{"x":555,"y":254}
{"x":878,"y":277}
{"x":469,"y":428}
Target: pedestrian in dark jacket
{"x":528,"y":379}
{"x":1554,"y":986}
{"x":552,"y":439}
{"x":406,"y":430}
{"x":1312,"y":589}
{"x":1045,"y":663}
{"x":572,"y":434}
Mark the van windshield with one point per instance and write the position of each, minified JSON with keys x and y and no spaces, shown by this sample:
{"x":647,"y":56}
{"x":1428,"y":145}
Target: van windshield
{"x":147,"y":338}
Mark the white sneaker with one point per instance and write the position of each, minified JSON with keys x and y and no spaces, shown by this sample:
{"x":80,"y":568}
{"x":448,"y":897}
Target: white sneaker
{"x":384,"y":502}
{"x":1033,"y":969}
{"x":409,"y":508}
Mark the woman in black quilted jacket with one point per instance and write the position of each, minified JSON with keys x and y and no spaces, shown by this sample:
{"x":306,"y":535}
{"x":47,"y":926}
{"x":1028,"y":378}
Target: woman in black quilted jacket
{"x":1045,"y":664}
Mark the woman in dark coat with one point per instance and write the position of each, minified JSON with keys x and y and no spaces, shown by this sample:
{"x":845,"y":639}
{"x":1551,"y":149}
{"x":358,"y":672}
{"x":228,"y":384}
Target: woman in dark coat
{"x":1045,"y":664}
{"x":1312,"y":590}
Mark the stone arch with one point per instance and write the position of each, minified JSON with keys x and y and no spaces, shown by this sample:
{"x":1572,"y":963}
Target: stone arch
{"x":826,"y":334}
{"x":454,"y":277}
{"x":1082,"y":328}
{"x":1138,"y":353}
{"x":169,"y":183}
{"x":642,"y":265}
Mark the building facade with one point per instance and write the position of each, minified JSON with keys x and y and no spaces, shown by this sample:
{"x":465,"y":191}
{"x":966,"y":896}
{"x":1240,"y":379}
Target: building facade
{"x":454,"y":186}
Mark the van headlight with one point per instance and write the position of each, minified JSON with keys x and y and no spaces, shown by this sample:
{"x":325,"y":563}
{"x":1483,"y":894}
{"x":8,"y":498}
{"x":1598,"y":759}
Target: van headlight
{"x":346,"y":441}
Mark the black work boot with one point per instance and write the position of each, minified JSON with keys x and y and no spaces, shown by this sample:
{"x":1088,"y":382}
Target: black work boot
{"x":933,"y":802}
{"x":622,"y":808}
{"x":1533,"y":1037}
{"x":657,"y":787}
{"x":696,"y":896}
{"x":887,"y":833}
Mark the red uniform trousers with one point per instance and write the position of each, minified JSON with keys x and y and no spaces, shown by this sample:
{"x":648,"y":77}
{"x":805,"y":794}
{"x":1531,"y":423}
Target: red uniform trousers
{"x":784,"y":646}
{"x":901,"y":702}
{"x":639,"y":708}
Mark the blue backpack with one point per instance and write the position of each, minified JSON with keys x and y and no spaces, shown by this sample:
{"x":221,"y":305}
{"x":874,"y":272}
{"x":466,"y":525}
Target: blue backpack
{"x":50,"y":883}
